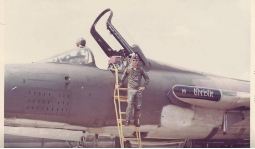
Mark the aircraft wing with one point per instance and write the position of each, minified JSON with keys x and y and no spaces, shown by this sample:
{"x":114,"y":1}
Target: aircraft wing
{"x":59,"y":134}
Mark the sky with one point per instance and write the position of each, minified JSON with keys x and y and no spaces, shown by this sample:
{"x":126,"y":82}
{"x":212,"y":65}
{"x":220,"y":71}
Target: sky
{"x":203,"y":35}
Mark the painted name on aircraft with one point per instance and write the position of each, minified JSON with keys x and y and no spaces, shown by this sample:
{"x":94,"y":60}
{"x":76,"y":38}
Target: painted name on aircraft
{"x":197,"y":92}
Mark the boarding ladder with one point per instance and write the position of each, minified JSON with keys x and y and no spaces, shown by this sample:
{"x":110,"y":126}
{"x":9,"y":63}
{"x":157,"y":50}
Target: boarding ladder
{"x":117,"y":103}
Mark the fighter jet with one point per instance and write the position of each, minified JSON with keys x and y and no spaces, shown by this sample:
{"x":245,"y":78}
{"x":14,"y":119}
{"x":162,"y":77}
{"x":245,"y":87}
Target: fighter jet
{"x":68,"y":97}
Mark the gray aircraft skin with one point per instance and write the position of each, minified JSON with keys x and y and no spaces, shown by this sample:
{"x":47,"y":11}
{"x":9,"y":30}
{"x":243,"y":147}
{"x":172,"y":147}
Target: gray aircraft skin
{"x":79,"y":97}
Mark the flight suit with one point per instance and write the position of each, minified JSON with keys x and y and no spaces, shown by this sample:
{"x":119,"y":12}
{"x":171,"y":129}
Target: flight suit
{"x":134,"y":95}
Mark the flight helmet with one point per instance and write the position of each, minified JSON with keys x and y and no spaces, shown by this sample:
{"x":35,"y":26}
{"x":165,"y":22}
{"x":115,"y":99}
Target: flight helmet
{"x":81,"y":42}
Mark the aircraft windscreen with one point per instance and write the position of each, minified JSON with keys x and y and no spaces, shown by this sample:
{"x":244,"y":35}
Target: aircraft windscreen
{"x":79,"y":56}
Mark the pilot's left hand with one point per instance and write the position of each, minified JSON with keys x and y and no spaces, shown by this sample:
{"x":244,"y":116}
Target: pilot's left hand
{"x":141,"y":88}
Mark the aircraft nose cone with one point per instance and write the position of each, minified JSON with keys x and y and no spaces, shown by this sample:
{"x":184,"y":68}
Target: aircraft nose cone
{"x":12,"y":83}
{"x":13,"y":78}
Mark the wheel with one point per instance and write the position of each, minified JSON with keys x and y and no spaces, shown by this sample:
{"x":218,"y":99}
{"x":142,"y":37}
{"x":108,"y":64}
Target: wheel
{"x":187,"y":143}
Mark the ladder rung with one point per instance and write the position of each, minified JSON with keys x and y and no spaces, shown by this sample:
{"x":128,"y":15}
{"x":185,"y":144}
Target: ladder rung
{"x":122,"y":112}
{"x":123,"y":89}
{"x":121,"y":97}
{"x":122,"y":100}
{"x":128,"y":126}
{"x":131,"y":139}
{"x":123,"y":120}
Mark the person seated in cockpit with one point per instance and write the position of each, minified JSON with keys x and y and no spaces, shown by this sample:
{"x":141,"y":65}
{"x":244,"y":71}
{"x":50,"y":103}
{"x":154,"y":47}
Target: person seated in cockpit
{"x":83,"y":51}
{"x":81,"y":42}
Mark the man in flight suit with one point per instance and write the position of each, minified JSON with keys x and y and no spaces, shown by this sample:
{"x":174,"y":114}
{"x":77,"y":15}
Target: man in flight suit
{"x":134,"y":74}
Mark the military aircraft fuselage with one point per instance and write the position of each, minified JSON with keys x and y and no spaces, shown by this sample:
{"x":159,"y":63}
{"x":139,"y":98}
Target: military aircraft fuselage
{"x":82,"y":95}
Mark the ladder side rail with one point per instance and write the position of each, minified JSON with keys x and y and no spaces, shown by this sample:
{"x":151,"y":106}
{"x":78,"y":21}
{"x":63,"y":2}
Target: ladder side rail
{"x":119,"y":109}
{"x":116,"y":108}
{"x":140,"y":141}
{"x":116,"y":112}
{"x":137,"y":136}
{"x":120,"y":120}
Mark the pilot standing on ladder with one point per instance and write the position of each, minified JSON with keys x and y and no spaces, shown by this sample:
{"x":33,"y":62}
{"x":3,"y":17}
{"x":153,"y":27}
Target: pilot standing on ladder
{"x":134,"y":99}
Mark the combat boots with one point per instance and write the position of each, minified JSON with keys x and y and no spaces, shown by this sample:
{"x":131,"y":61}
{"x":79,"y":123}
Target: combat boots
{"x":136,"y":123}
{"x":127,"y":123}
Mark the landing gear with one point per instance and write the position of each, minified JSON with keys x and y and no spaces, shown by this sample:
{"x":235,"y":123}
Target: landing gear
{"x":96,"y":141}
{"x":73,"y":144}
{"x":81,"y":144}
{"x":127,"y":143}
{"x":187,"y":143}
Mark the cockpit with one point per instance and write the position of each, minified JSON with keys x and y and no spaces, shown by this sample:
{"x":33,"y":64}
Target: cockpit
{"x":82,"y":55}
{"x":78,"y":56}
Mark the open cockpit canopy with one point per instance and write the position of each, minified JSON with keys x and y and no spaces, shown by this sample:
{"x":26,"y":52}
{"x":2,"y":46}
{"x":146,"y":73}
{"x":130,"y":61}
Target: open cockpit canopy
{"x":127,"y":49}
